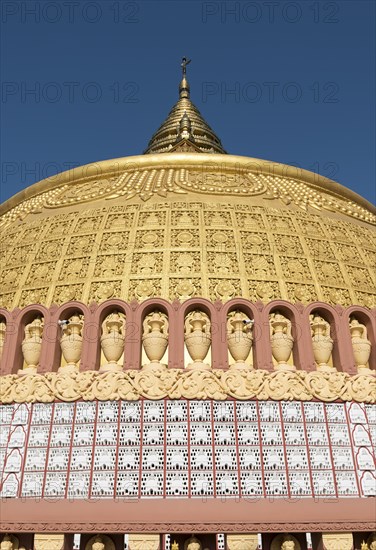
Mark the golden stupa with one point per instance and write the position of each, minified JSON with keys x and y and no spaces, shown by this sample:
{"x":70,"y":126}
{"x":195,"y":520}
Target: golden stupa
{"x":186,"y":219}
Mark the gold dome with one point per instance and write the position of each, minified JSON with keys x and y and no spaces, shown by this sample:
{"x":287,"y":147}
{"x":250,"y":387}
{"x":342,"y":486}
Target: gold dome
{"x":187,"y":224}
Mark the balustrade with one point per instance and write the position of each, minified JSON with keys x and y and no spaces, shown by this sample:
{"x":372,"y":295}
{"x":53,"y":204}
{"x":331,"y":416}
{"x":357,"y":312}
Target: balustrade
{"x":195,"y":335}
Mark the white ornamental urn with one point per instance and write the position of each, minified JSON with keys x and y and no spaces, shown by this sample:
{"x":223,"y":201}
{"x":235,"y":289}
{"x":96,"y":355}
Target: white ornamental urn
{"x":281,"y":341}
{"x":197,"y":339}
{"x":31,"y":346}
{"x":239,"y":340}
{"x":112,"y":341}
{"x":155,"y":339}
{"x":322,"y":343}
{"x":361,"y":346}
{"x":71,"y":343}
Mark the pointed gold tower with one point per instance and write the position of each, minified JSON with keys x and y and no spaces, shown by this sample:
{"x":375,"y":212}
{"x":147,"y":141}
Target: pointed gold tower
{"x":185,"y":129}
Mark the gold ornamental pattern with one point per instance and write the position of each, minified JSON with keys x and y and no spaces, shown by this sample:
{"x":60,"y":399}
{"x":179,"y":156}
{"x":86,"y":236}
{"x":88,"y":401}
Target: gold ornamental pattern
{"x":138,"y":178}
{"x":216,"y":384}
{"x":184,"y":249}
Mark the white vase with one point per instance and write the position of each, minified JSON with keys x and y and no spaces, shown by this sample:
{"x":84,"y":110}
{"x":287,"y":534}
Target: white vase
{"x":239,"y":342}
{"x":322,"y":345}
{"x":31,"y":347}
{"x":361,"y":348}
{"x":281,"y":342}
{"x":155,"y":341}
{"x":112,"y":342}
{"x":197,"y":342}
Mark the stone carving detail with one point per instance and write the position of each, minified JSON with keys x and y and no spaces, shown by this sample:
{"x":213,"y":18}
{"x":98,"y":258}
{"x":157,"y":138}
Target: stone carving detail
{"x":263,"y":290}
{"x":239,"y":338}
{"x":185,"y":262}
{"x":190,"y":384}
{"x":259,"y":233}
{"x":66,"y":293}
{"x":112,"y":341}
{"x":81,"y":245}
{"x":260,"y":267}
{"x":155,"y":338}
{"x":48,"y":542}
{"x":285,"y":542}
{"x":322,"y":343}
{"x":224,"y":289}
{"x":144,"y":289}
{"x":197,"y":336}
{"x":71,"y":342}
{"x":101,"y":291}
{"x":242,"y":542}
{"x":9,"y":542}
{"x":100,"y":542}
{"x":360,"y":344}
{"x":336,"y":295}
{"x":32,"y":345}
{"x":370,"y":544}
{"x":184,"y":288}
{"x":281,"y":341}
{"x":301,"y":293}
{"x":143,"y":542}
{"x":333,"y":541}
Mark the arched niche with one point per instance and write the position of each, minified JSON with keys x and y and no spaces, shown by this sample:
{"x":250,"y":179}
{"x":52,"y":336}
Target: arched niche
{"x":155,"y":315}
{"x":294,"y":325}
{"x":365,"y":317}
{"x":250,"y":312}
{"x":64,"y":313}
{"x":338,"y":359}
{"x":94,"y":331}
{"x":26,"y":316}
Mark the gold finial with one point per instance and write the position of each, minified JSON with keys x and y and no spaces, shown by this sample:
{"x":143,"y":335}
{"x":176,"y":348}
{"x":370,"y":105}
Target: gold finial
{"x":184,"y":86}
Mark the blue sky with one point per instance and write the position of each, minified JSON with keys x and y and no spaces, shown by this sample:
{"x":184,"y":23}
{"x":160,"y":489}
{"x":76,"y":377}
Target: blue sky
{"x":292,"y":82}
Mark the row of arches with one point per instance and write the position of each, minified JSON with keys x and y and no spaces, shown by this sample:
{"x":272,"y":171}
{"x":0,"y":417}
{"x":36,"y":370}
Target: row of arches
{"x":193,"y":334}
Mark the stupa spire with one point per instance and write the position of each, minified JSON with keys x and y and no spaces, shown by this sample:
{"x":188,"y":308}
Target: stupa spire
{"x":185,"y":129}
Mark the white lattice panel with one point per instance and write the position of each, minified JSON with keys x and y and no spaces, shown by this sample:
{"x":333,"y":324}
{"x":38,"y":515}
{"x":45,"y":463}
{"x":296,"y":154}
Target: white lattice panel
{"x":187,"y":449}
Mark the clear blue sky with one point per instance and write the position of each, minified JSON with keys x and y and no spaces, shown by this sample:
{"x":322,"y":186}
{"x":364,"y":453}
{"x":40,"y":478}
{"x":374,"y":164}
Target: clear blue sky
{"x":105,"y":75}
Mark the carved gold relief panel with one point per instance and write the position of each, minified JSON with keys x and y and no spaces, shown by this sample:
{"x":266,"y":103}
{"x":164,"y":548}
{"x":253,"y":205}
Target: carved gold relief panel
{"x":260,"y":267}
{"x":301,"y":293}
{"x":220,"y":239}
{"x":118,"y":221}
{"x":336,"y":295}
{"x":185,"y":262}
{"x":147,"y":263}
{"x":66,"y":293}
{"x":149,"y":239}
{"x":33,"y":296}
{"x":255,"y":242}
{"x":222,"y":263}
{"x":224,"y":289}
{"x":50,"y":250}
{"x":81,"y":245}
{"x":189,"y":219}
{"x":101,"y":291}
{"x":184,"y":288}
{"x":264,"y":290}
{"x":250,"y":222}
{"x":141,"y":289}
{"x":184,"y":238}
{"x":329,"y":273}
{"x":75,"y":268}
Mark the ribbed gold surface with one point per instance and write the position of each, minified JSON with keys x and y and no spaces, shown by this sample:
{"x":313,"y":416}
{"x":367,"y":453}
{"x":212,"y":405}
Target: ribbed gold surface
{"x":178,"y":226}
{"x":166,"y":136}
